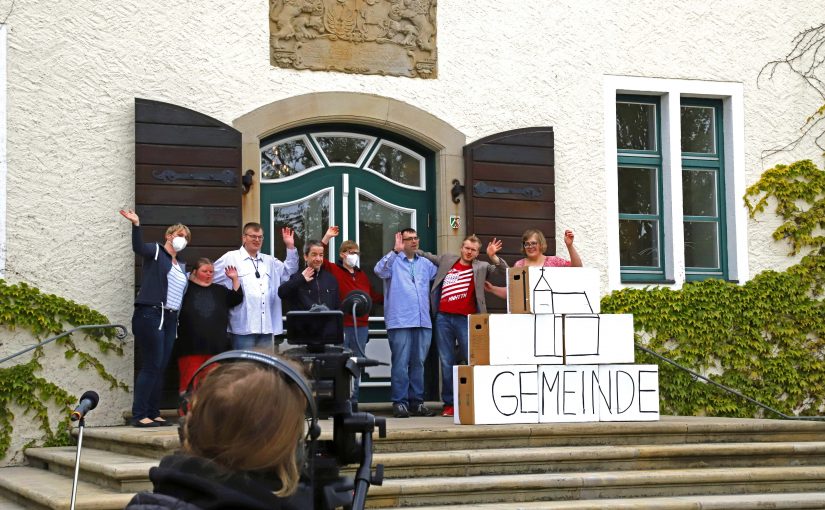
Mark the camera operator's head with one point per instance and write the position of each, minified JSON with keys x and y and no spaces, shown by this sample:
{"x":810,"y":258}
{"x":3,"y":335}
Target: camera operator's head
{"x":246,"y":416}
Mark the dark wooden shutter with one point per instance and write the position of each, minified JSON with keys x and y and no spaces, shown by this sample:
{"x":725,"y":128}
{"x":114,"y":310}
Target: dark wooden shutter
{"x":187,"y":170}
{"x":509,"y":187}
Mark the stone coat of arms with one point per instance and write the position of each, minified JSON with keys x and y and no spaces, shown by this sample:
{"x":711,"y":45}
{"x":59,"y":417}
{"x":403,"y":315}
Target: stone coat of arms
{"x":392,"y":37}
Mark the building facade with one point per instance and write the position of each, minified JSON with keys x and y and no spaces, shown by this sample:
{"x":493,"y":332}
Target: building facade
{"x":648,"y":117}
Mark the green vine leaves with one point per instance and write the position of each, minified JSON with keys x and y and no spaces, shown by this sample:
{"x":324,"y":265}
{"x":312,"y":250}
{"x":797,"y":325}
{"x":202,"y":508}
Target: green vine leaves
{"x":45,"y":315}
{"x":766,"y":337}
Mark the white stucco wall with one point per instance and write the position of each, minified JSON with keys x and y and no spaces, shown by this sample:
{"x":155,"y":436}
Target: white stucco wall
{"x":74,"y":69}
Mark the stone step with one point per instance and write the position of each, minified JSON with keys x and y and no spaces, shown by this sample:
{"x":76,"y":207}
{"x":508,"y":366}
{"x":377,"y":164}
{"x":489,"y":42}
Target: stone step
{"x":40,"y":489}
{"x":440,"y":434}
{"x":761,"y":501}
{"x":501,"y":461}
{"x":594,"y":485}
{"x":117,"y":471}
{"x":7,"y":504}
{"x":154,"y":443}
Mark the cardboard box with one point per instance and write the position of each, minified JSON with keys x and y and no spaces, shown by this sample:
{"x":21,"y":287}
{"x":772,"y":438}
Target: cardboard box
{"x":628,"y":393}
{"x":515,"y":339}
{"x":580,"y":393}
{"x":495,"y":394}
{"x":598,"y":339}
{"x":554,"y":290}
{"x":566,"y":393}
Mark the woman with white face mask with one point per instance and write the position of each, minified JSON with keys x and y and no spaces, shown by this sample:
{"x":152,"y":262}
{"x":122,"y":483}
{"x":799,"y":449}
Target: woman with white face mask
{"x":350,"y":277}
{"x":154,"y":322}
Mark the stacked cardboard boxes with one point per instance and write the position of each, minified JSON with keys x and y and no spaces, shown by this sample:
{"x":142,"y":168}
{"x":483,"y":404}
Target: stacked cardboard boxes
{"x":553,"y":357}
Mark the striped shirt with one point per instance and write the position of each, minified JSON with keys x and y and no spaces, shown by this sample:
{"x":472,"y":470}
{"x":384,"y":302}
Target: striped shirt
{"x":177,"y":285}
{"x":458,"y":291}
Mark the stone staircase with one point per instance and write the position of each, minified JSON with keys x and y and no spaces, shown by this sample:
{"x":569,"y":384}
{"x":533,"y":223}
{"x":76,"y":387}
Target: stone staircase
{"x":676,"y":463}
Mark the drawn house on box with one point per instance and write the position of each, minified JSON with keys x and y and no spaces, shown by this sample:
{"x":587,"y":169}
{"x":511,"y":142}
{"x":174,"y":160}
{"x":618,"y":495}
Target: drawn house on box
{"x":546,"y":299}
{"x":548,"y":338}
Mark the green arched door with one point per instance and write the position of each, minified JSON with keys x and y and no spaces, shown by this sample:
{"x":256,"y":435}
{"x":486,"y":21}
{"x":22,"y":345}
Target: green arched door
{"x":370,"y":183}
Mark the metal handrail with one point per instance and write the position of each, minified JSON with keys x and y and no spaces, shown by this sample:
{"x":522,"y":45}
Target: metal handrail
{"x":120,"y":335}
{"x":738,"y":393}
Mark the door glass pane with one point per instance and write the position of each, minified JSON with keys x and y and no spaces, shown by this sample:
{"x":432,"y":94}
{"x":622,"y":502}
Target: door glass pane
{"x":342,"y":149}
{"x":699,"y":192}
{"x":308,"y":218}
{"x":398,"y":165}
{"x":639,"y":243}
{"x":698,"y":129}
{"x":701,"y":244}
{"x":636,"y":126}
{"x":638,"y":190}
{"x":377,"y":225}
{"x":283,"y":159}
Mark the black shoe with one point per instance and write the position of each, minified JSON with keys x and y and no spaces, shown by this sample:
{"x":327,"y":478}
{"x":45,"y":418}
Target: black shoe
{"x":400,"y":411}
{"x":421,"y":410}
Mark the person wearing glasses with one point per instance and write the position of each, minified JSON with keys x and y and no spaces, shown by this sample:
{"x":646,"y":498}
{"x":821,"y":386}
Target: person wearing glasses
{"x":253,"y":322}
{"x":533,"y":246}
{"x":407,"y":278}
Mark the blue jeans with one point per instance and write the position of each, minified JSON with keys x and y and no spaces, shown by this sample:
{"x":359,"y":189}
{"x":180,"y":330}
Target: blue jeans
{"x":450,"y":329}
{"x":155,"y":347}
{"x":349,"y":342}
{"x":409,"y":347}
{"x":247,"y":342}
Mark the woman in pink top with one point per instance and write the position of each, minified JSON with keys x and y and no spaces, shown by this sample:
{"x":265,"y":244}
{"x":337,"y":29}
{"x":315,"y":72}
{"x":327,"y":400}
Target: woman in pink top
{"x":533,"y":245}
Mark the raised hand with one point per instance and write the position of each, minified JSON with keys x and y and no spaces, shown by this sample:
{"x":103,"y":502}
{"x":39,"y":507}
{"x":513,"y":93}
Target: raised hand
{"x":568,"y":238}
{"x":399,"y":242}
{"x":231,"y":272}
{"x":288,"y":235}
{"x":130,"y":215}
{"x":333,"y":231}
{"x":308,"y":274}
{"x":494,"y":247}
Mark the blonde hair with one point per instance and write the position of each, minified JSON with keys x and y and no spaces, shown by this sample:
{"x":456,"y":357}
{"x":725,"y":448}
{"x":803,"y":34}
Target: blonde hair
{"x":248,"y":417}
{"x":530,"y":232}
{"x":179,"y":226}
{"x":347,"y":246}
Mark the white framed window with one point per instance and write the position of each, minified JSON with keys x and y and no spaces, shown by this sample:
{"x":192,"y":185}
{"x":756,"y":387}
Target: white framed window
{"x":674,"y":162}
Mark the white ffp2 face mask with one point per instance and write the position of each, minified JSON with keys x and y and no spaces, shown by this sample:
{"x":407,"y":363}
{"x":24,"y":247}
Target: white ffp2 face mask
{"x":352,"y":260}
{"x":179,"y":243}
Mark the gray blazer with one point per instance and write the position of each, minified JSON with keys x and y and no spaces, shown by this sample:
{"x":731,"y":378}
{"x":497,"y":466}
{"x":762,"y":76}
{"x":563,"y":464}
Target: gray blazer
{"x":480,"y":272}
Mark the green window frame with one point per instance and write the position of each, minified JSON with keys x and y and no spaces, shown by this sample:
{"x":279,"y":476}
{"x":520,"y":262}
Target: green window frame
{"x":703,"y":189}
{"x":641,"y":207}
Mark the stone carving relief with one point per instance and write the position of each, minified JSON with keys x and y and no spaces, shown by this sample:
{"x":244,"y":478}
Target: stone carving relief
{"x":390,"y":37}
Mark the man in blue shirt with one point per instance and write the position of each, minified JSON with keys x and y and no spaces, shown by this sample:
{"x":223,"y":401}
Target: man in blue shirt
{"x":407,"y":315}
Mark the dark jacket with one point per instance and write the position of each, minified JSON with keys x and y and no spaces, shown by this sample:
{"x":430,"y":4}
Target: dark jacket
{"x":183,"y":482}
{"x":302,"y":295}
{"x":156,"y":266}
{"x":203,"y":318}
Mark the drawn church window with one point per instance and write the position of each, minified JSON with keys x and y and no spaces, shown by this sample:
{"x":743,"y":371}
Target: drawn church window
{"x":398,"y":164}
{"x":288,"y":157}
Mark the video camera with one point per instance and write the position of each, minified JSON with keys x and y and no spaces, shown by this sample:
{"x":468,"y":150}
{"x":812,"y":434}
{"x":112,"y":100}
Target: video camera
{"x":331,"y":367}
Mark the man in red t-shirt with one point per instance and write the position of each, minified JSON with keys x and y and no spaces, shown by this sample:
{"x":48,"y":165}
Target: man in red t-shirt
{"x":350,"y":277}
{"x":458,"y":291}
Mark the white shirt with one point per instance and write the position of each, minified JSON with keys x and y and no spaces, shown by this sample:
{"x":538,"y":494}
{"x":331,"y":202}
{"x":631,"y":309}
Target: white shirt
{"x":260,"y":312}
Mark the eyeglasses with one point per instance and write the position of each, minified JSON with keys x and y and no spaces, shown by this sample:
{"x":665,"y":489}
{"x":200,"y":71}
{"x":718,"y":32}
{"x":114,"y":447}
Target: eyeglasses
{"x":530,"y":244}
{"x":410,"y":239}
{"x":254,"y":238}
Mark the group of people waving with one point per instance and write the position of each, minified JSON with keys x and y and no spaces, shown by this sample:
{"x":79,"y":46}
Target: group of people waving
{"x":235,"y":303}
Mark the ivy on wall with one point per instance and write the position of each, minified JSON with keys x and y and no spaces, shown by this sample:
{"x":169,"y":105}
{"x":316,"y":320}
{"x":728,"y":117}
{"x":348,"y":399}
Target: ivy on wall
{"x":765,"y":338}
{"x":45,"y":315}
